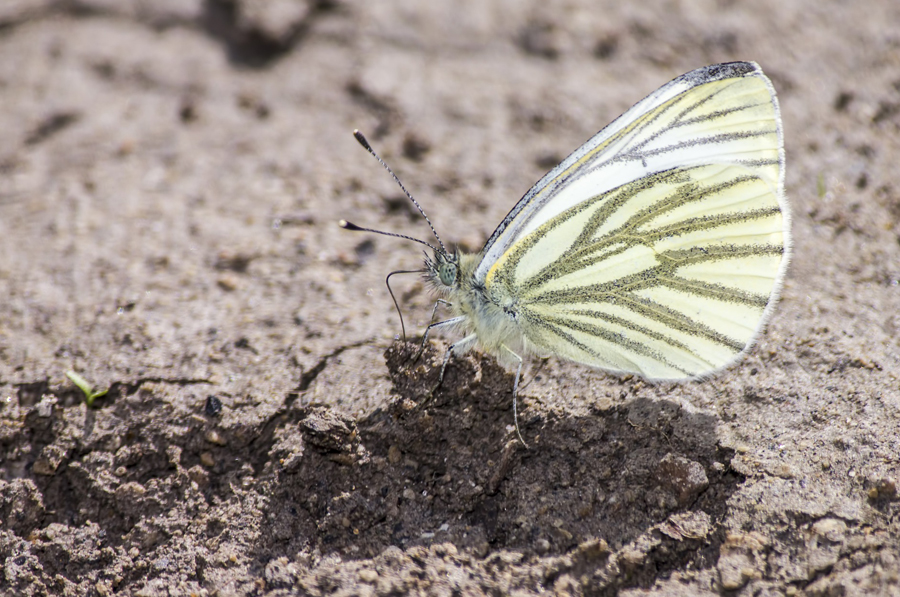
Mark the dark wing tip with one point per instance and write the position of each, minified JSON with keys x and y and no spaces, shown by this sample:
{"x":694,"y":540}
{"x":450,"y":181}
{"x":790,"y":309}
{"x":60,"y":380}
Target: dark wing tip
{"x":717,"y":72}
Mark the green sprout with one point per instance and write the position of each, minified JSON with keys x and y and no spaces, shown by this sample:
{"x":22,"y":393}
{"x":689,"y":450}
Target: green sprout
{"x":89,"y":394}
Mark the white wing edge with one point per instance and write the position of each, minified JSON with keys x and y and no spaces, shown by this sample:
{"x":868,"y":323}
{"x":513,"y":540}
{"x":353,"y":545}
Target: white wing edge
{"x":778,"y":284}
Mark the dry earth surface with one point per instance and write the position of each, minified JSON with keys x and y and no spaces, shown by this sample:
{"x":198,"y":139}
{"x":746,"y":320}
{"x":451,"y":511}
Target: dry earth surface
{"x":171,"y":175}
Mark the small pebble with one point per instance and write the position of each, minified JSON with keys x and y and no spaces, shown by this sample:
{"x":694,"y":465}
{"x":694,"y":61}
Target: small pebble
{"x":228,"y":282}
{"x":213,"y":406}
{"x":394,"y":455}
{"x":369,"y":576}
{"x":213,"y":437}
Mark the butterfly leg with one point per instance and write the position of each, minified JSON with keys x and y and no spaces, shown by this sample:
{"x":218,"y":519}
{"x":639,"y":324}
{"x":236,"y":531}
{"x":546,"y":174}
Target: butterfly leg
{"x":447,"y":322}
{"x":516,"y":392}
{"x":434,"y":311}
{"x":459,"y":347}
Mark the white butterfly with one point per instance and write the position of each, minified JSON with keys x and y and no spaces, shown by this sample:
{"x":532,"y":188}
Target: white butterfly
{"x":657,"y":248}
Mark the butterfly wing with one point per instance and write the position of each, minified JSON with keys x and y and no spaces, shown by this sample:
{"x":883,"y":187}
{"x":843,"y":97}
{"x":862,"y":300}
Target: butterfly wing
{"x":659,"y":246}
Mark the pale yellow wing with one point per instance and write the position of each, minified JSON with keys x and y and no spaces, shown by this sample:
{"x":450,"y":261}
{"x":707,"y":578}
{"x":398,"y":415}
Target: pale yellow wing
{"x":671,"y":273}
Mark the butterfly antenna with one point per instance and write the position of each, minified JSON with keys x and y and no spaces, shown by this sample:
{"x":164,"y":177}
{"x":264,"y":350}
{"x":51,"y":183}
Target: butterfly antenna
{"x":362,"y":141}
{"x":351,"y":226}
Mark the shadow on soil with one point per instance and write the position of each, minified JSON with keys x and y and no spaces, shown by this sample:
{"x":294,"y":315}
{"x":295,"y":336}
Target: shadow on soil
{"x":152,"y":466}
{"x":450,"y":469}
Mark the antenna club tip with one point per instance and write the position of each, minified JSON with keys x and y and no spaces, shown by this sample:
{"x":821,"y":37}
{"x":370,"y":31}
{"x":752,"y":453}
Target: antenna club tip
{"x":349,"y":225}
{"x":343,"y":223}
{"x":361,"y":139}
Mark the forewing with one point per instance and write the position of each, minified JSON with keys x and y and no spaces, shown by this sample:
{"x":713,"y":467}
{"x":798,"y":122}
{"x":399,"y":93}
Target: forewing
{"x":670,"y":276}
{"x":722,"y":114}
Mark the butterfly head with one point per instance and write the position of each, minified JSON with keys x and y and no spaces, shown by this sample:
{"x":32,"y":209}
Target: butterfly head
{"x":443,"y":269}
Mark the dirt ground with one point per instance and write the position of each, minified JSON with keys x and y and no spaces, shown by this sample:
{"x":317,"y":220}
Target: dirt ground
{"x":171,"y":175}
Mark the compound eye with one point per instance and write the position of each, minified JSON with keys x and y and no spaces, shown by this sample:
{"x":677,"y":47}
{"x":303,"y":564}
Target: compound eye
{"x":447,"y":274}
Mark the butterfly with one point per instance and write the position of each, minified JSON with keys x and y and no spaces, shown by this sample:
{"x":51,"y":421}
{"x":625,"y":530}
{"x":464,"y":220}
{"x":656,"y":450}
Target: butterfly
{"x":658,"y":248}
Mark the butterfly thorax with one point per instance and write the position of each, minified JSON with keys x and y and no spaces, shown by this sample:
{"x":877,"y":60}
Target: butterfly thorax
{"x":495,"y":324}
